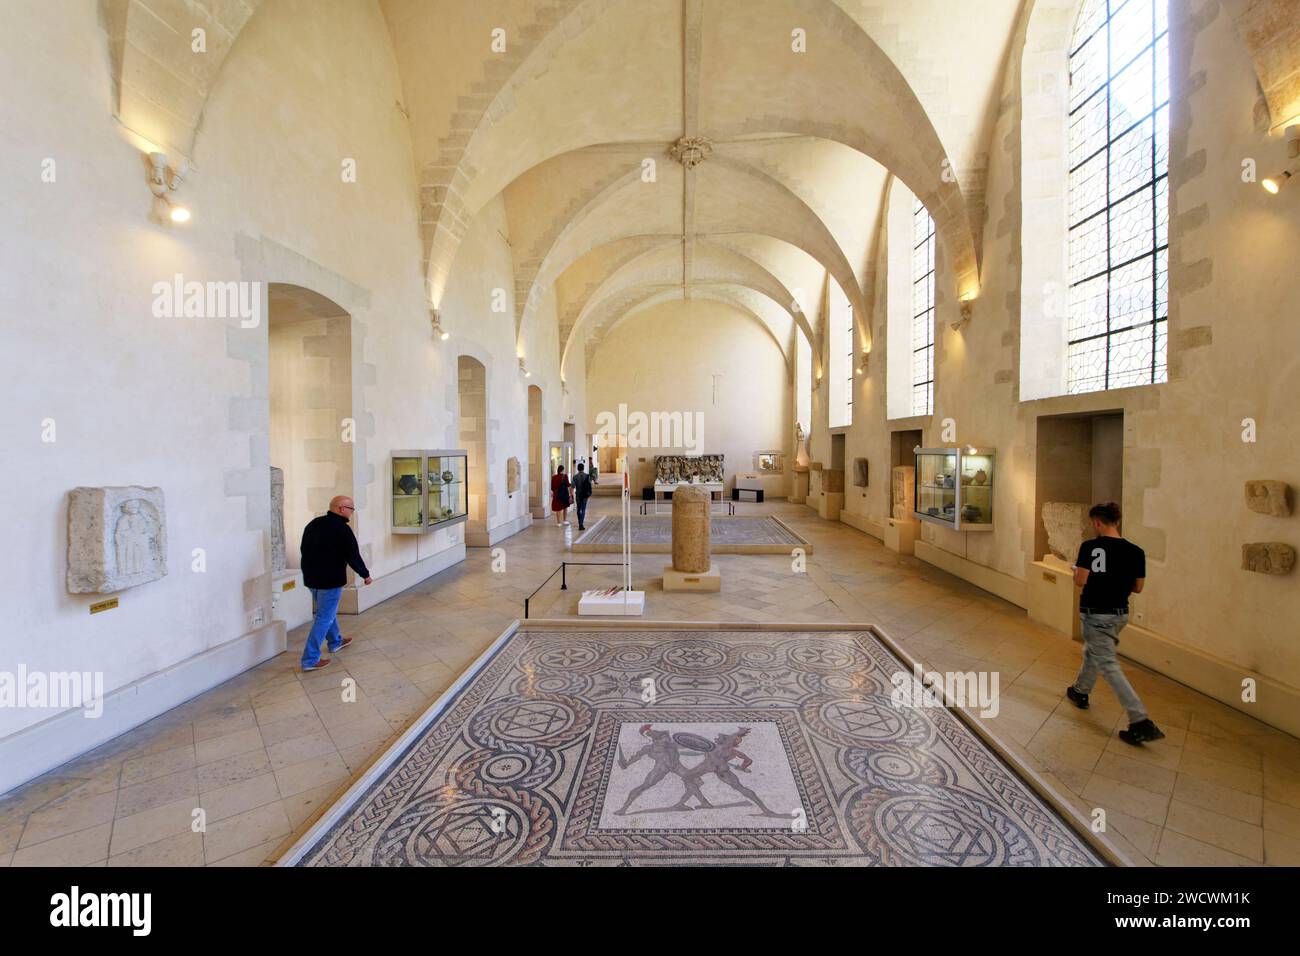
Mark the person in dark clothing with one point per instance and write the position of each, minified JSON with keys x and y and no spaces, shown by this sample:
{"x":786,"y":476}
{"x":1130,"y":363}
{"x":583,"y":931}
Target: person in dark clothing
{"x":328,"y":548}
{"x":581,"y":492}
{"x":1109,"y":569}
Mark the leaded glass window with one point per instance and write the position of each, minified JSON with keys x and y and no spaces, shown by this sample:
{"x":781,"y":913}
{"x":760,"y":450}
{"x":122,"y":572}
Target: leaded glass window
{"x":922,"y":310}
{"x":1118,"y":195}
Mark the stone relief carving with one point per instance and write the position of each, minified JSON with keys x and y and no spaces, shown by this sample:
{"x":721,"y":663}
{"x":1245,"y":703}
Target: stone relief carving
{"x":277,"y":520}
{"x":117,"y":538}
{"x":1269,"y":498}
{"x":860,"y":473}
{"x":674,"y":468}
{"x":1266,"y":557}
{"x":902,"y":492}
{"x":512,"y":475}
{"x":1067,"y":527}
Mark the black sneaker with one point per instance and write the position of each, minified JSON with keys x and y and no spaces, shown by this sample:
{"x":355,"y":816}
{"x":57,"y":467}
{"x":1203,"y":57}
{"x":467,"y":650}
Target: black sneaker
{"x":1141,"y":732}
{"x":1079,"y":700}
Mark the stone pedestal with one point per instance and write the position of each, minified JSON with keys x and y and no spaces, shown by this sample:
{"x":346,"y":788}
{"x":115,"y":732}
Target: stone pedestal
{"x":1053,"y":598}
{"x":901,"y":534}
{"x":290,"y":599}
{"x":710,"y":580}
{"x":799,"y":492}
{"x":830,"y":504}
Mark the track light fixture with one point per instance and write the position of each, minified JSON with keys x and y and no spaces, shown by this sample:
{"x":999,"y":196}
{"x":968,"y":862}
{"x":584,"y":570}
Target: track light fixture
{"x":435,"y":321}
{"x":1273,"y":184}
{"x":165,"y":180}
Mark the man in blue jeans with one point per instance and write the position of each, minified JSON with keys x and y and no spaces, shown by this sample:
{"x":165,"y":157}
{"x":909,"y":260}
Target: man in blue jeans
{"x":328,"y":548}
{"x":1109,"y":569}
{"x":581,"y":492}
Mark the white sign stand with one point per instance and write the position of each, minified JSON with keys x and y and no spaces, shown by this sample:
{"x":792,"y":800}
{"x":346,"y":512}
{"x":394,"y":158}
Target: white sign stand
{"x":620,"y":600}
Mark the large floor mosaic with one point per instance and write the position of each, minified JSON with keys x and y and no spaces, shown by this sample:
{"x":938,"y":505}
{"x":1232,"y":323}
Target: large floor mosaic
{"x":585,"y":747}
{"x":736,"y":534}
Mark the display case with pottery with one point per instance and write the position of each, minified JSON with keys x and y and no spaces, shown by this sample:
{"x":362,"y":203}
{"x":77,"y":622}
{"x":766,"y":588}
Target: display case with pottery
{"x":953,"y":487}
{"x":428,"y":490}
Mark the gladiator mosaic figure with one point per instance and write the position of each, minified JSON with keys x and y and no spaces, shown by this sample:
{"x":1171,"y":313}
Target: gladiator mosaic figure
{"x":665,"y":756}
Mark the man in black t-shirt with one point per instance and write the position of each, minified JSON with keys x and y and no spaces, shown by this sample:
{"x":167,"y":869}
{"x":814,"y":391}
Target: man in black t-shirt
{"x":1109,"y":569}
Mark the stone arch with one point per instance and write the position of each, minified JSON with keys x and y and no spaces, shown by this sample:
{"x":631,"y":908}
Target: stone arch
{"x":472,"y":412}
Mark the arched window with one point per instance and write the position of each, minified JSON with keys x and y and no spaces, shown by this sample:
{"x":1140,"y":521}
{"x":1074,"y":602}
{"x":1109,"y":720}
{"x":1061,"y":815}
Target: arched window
{"x":803,"y":382}
{"x":1118,"y":195}
{"x":922,"y":310}
{"x":840,"y":361}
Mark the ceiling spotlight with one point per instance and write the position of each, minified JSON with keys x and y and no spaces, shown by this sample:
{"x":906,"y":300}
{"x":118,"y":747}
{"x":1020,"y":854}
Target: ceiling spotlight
{"x":436,"y":322}
{"x":1273,"y":184}
{"x":165,"y":180}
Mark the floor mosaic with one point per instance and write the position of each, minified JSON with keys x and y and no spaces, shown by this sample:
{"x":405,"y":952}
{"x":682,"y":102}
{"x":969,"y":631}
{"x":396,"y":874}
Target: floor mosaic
{"x":582,"y":747}
{"x":740,"y":534}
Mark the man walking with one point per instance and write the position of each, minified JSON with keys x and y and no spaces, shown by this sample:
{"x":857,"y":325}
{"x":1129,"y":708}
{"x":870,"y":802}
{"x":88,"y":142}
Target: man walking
{"x":581,"y":492}
{"x":1109,"y":569}
{"x":328,"y":548}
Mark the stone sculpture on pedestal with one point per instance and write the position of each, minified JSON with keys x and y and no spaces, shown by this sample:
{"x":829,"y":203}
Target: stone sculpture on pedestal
{"x":117,"y":538}
{"x":277,"y":520}
{"x":692,"y":568}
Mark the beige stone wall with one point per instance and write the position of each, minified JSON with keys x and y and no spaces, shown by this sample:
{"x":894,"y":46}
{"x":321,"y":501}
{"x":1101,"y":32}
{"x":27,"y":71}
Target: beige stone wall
{"x":664,"y":360}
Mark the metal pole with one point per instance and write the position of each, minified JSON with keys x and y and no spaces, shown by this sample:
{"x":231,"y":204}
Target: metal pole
{"x":564,"y":581}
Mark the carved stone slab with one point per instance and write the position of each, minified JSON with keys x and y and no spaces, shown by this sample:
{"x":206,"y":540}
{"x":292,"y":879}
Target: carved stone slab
{"x":860,"y":472}
{"x":512,"y":475}
{"x":1067,"y":527}
{"x":117,"y":538}
{"x":902,"y":494}
{"x":1269,"y":498}
{"x":277,"y":520}
{"x":1268,"y":557}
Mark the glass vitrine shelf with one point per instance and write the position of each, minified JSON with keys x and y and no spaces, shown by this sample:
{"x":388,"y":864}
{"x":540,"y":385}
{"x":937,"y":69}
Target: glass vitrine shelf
{"x":438,"y":499}
{"x":954,"y":487}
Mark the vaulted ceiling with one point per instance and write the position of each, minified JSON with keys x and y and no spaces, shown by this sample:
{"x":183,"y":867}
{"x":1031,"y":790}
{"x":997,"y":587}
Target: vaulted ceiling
{"x":725,"y":149}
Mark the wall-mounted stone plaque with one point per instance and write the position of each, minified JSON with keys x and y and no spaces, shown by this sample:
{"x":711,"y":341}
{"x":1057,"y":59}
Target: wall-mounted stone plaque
{"x":277,"y":520}
{"x":1067,"y":527}
{"x":117,"y":538}
{"x":512,"y":475}
{"x":1269,"y":498}
{"x":1268,"y":557}
{"x":860,"y":474}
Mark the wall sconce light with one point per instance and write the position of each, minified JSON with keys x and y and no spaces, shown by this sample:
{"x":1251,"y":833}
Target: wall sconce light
{"x":165,"y":180}
{"x":1273,"y":184}
{"x":435,"y":321}
{"x":965,"y":307}
{"x":524,"y":368}
{"x":863,"y":362}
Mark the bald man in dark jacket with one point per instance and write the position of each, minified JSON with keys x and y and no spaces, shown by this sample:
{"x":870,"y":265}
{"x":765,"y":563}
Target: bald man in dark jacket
{"x":328,"y":548}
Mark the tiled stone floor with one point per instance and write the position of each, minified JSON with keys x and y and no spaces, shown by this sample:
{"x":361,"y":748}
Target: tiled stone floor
{"x":265,"y":752}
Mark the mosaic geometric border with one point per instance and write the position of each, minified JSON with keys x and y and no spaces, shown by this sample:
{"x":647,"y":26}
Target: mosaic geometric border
{"x":508,"y":766}
{"x":773,"y":536}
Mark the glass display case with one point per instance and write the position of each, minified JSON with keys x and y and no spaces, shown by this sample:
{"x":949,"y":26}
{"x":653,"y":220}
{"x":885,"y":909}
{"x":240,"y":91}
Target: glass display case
{"x":428,"y":490}
{"x":954,"y":487}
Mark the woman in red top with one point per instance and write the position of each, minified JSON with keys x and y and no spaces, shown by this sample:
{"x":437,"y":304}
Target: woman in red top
{"x":560,"y":497}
